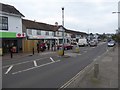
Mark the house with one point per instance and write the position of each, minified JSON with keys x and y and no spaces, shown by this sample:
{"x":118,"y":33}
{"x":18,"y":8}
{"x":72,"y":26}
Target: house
{"x":37,"y":32}
{"x":10,"y":28}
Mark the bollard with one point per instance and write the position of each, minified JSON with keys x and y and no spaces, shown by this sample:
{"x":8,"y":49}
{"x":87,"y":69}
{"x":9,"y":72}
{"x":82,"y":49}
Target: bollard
{"x":11,"y":54}
{"x":38,"y":50}
{"x":33,"y":51}
{"x":96,"y":70}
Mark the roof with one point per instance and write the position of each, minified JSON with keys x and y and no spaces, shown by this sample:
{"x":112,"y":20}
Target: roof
{"x":43,"y":26}
{"x":75,"y":32}
{"x":38,"y":25}
{"x":10,"y":9}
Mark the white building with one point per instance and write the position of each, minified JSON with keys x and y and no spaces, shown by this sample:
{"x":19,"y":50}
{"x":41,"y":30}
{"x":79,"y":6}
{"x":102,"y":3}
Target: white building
{"x":10,"y":28}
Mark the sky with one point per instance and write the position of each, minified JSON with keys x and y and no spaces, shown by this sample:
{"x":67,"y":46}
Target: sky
{"x":90,"y":16}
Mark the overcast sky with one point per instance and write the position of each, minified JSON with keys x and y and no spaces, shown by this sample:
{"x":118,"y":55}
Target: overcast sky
{"x":94,"y":16}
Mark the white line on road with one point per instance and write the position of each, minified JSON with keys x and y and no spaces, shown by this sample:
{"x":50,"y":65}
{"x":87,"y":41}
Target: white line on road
{"x":35,"y":63}
{"x":52,"y":59}
{"x":85,"y":51}
{"x":34,"y":67}
{"x":25,"y":62}
{"x":9,"y":69}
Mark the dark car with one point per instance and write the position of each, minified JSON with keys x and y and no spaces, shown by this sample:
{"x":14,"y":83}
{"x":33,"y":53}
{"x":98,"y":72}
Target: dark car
{"x":66,"y":46}
{"x":111,"y":43}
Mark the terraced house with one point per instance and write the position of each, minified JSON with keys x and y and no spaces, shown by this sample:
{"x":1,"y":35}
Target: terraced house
{"x":37,"y":32}
{"x":10,"y":28}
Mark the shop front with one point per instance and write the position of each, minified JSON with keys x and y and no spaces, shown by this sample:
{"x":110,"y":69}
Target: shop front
{"x":32,"y":41}
{"x":10,"y":40}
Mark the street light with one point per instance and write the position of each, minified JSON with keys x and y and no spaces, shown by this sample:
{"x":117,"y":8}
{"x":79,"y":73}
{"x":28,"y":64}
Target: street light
{"x":63,"y":29}
{"x":118,"y":20}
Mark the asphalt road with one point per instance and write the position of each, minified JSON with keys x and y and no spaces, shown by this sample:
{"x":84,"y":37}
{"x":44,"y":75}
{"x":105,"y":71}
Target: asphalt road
{"x":48,"y":71}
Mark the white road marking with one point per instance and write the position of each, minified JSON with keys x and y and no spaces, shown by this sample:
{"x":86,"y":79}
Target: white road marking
{"x":24,"y":62}
{"x":85,"y":51}
{"x":35,"y":63}
{"x":52,"y":59}
{"x":79,"y":54}
{"x":34,"y":67}
{"x":9,"y":69}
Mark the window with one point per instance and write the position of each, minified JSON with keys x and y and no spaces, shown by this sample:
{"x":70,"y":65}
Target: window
{"x":47,"y":33}
{"x":29,"y":32}
{"x":52,"y":33}
{"x":38,"y":32}
{"x":3,"y":23}
{"x":58,"y":33}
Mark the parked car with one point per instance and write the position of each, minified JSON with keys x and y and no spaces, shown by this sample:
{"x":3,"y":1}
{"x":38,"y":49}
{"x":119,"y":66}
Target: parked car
{"x":93,"y":43}
{"x":66,"y":46}
{"x":74,"y":44}
{"x":111,"y":43}
{"x":82,"y":42}
{"x":42,"y":47}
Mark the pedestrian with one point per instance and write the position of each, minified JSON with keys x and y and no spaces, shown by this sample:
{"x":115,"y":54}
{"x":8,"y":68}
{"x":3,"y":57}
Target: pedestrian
{"x":38,"y":47}
{"x":48,"y":45}
{"x":52,"y":47}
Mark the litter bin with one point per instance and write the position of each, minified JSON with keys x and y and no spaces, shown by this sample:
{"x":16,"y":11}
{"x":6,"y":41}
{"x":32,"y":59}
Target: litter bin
{"x":76,"y":49}
{"x":60,"y":51}
{"x":1,"y":52}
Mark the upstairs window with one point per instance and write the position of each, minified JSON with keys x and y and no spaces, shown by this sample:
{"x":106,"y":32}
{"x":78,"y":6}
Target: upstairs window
{"x":38,"y":32}
{"x":29,"y":31}
{"x":3,"y":23}
{"x":47,"y":33}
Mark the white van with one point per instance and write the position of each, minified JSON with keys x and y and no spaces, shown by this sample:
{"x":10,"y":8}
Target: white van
{"x":82,"y":42}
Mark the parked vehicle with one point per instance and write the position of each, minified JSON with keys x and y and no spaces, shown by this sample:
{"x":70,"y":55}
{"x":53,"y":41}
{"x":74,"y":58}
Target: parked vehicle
{"x":66,"y":46}
{"x":82,"y":42}
{"x":111,"y":43}
{"x":93,"y":43}
{"x":42,"y":47}
{"x":74,"y":44}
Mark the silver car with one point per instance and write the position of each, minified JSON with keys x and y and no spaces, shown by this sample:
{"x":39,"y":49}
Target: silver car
{"x":93,"y":43}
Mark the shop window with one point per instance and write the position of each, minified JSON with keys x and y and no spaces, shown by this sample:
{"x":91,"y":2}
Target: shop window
{"x":38,"y":32}
{"x":3,"y":23}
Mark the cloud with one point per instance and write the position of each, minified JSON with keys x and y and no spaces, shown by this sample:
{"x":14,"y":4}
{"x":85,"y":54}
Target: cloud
{"x":79,"y":15}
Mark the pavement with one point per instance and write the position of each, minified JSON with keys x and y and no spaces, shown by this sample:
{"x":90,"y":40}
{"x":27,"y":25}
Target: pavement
{"x":107,"y":77}
{"x":21,"y":55}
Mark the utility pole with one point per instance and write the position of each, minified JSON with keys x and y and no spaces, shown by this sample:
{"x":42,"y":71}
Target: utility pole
{"x":63,"y":29}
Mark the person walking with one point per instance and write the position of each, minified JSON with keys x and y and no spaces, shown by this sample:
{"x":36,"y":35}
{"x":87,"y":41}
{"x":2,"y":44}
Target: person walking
{"x":48,"y":45}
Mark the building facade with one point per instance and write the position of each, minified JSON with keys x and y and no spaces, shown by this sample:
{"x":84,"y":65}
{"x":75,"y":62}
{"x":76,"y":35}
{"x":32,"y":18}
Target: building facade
{"x":10,"y":28}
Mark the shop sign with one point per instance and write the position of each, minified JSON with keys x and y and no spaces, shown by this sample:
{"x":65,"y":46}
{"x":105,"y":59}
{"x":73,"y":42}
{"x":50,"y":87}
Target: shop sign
{"x":20,"y":35}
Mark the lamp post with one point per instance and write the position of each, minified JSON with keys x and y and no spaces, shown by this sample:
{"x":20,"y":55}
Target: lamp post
{"x":63,"y":29}
{"x":118,"y":31}
{"x":118,"y":20}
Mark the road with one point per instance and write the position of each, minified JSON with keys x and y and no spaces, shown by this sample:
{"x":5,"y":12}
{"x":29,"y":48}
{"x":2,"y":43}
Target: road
{"x":50,"y":70}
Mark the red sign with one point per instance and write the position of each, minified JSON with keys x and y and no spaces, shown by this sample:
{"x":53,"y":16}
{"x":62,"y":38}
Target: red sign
{"x":20,"y":35}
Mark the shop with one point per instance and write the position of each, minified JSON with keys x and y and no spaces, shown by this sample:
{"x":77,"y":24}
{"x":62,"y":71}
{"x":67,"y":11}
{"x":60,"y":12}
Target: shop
{"x":11,"y":40}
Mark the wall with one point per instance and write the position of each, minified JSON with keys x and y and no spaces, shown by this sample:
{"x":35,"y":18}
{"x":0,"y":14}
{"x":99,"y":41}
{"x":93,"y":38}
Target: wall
{"x":14,"y":24}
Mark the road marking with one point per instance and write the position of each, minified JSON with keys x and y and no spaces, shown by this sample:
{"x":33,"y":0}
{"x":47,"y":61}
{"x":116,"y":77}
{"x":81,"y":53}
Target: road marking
{"x":35,"y":63}
{"x":34,"y":67}
{"x":25,"y":62}
{"x":85,"y":51}
{"x":52,"y":59}
{"x":9,"y":69}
